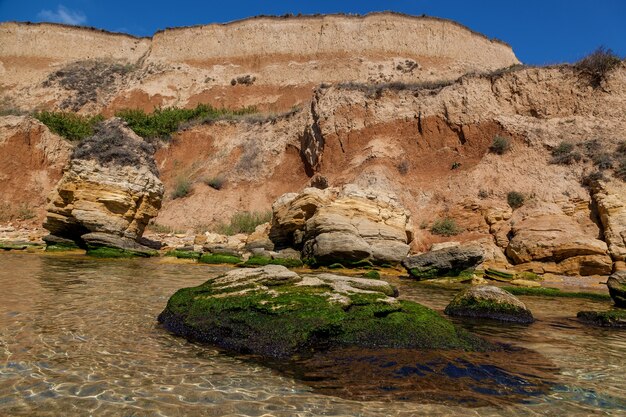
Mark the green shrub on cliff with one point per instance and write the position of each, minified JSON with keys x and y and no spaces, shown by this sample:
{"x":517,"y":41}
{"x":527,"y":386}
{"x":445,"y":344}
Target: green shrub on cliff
{"x":500,"y":145}
{"x":163,"y":122}
{"x":597,"y":65}
{"x":181,"y":188}
{"x":445,"y":227}
{"x":565,"y":154}
{"x":71,"y":126}
{"x":515,"y":199}
{"x":244,"y":222}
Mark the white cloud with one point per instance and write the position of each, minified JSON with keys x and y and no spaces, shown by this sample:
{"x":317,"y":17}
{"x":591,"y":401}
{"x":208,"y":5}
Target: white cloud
{"x":63,"y":15}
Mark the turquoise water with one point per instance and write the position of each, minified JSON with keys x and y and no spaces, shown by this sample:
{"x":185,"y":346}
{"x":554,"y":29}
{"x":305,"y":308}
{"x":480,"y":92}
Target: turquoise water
{"x":79,"y":337}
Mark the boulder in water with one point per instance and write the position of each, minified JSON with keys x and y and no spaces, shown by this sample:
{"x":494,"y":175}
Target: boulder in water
{"x":446,"y":261}
{"x":617,"y":288}
{"x":489,"y":302}
{"x":274,"y":312}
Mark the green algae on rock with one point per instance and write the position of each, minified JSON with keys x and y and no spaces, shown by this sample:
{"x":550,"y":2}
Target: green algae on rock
{"x":372,"y":275}
{"x":255,"y":261}
{"x":273,"y":312}
{"x":183,"y":254}
{"x":555,"y":292}
{"x":104,"y":245}
{"x":106,"y":252}
{"x":610,"y":318}
{"x":489,"y":302}
{"x":14,"y":246}
{"x":216,"y":258}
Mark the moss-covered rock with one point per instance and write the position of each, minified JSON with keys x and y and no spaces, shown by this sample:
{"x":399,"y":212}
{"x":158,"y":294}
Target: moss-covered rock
{"x":255,"y":261}
{"x":488,"y":302}
{"x":104,"y":252}
{"x":372,"y":275}
{"x":215,"y":258}
{"x":13,"y":246}
{"x":61,"y":248}
{"x":555,"y":292}
{"x":104,"y":245}
{"x":273,"y":312}
{"x":59,"y":244}
{"x":610,"y":318}
{"x":183,"y":254}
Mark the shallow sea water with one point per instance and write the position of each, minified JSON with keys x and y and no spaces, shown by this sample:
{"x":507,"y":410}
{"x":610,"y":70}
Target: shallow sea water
{"x":79,"y":337}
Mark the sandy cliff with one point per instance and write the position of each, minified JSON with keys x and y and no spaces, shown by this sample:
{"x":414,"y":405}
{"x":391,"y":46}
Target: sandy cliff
{"x":283,"y":58}
{"x":369,"y":112}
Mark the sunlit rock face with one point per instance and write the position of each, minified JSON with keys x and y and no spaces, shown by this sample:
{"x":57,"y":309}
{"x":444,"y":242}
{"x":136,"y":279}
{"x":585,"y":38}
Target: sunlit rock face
{"x":347,"y":224}
{"x":111,"y":186}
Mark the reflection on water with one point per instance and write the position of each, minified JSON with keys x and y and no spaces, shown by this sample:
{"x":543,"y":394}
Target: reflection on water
{"x":79,"y":337}
{"x":450,"y":377}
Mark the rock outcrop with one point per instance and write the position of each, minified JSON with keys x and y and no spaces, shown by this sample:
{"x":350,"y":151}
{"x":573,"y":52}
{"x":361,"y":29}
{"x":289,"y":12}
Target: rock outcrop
{"x":342,"y":225}
{"x":610,"y":199}
{"x":274,"y":312}
{"x":559,"y":241}
{"x":489,"y":302}
{"x":617,"y":288}
{"x":446,"y":261}
{"x":111,"y":186}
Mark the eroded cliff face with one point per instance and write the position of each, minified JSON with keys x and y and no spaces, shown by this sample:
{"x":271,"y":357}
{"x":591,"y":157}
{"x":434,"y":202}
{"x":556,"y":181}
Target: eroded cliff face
{"x":426,"y":142}
{"x":430,"y":146}
{"x":31,"y":162}
{"x":272,"y":63}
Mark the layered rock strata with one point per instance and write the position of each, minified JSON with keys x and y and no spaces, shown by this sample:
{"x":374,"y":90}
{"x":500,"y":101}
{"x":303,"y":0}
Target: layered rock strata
{"x":610,"y":198}
{"x":111,"y":187}
{"x":269,"y":61}
{"x":560,"y":242}
{"x":344,"y":225}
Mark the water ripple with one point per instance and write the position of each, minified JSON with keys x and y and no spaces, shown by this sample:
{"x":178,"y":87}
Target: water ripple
{"x":78,"y":337}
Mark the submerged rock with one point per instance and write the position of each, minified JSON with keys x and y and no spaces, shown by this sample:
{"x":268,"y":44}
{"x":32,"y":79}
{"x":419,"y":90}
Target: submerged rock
{"x":489,"y":302}
{"x":617,"y":288}
{"x":273,"y":312}
{"x":446,"y":261}
{"x":610,"y":318}
{"x":346,"y":225}
{"x":111,"y":186}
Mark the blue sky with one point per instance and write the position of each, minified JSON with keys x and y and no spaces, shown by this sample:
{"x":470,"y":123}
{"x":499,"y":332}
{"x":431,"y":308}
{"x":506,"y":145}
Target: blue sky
{"x":540,"y":31}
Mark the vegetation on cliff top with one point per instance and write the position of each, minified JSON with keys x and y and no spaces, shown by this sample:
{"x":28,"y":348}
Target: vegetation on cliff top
{"x":597,"y":65}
